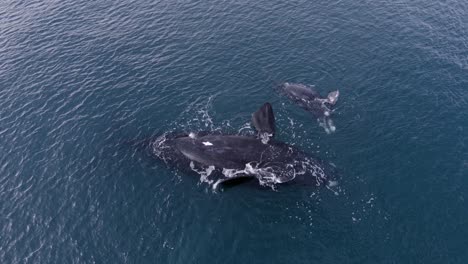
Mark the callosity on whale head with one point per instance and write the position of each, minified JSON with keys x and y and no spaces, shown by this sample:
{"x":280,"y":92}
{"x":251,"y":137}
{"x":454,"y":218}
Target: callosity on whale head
{"x":333,"y":97}
{"x":221,"y":158}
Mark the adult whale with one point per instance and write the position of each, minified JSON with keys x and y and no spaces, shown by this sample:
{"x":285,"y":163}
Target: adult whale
{"x":223,"y":158}
{"x":310,"y":99}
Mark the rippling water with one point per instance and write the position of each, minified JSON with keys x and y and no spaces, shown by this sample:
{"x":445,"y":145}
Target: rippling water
{"x":80,"y":82}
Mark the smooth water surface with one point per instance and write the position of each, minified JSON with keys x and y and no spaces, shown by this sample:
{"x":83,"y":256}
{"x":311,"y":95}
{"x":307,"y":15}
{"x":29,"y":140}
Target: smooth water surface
{"x":81,"y":81}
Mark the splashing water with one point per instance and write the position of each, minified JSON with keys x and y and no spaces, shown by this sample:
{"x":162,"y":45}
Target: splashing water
{"x":327,"y":124}
{"x":267,"y":175}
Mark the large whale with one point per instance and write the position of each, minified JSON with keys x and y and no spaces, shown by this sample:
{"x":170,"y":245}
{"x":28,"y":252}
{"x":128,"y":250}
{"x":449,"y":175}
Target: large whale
{"x":310,"y":99}
{"x":224,"y":158}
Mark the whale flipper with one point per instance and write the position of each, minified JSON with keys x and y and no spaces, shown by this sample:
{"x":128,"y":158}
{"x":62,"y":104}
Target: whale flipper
{"x":231,"y":182}
{"x":264,"y":121}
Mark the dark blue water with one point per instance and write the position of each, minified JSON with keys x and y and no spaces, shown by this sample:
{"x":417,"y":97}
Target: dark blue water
{"x":81,"y":80}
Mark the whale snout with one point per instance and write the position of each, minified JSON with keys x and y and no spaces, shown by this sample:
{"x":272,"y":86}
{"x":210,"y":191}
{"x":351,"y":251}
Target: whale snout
{"x":333,"y":97}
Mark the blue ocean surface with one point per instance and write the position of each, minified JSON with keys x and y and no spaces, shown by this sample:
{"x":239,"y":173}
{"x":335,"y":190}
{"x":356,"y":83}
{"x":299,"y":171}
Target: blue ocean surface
{"x":82,"y":81}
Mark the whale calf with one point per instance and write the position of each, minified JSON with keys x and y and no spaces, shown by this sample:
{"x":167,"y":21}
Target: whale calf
{"x":310,"y":99}
{"x":223,"y":158}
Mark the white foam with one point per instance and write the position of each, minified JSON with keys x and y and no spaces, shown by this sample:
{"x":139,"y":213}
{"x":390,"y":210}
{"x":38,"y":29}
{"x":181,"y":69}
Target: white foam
{"x":327,"y":124}
{"x":215,"y":185}
{"x":204,"y":173}
{"x":244,"y":127}
{"x":331,"y":125}
{"x":265,"y":137}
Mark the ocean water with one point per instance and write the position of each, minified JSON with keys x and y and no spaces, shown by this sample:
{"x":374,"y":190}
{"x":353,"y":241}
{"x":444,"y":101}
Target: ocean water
{"x":81,"y":81}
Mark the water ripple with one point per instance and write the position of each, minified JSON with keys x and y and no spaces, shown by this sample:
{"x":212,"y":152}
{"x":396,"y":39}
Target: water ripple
{"x":78,"y":81}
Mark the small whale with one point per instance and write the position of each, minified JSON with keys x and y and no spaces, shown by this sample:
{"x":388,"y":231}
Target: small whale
{"x":310,"y":99}
{"x":225,"y":158}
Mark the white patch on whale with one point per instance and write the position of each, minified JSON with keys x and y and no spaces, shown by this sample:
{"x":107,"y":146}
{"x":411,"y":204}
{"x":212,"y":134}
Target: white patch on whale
{"x":207,"y":143}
